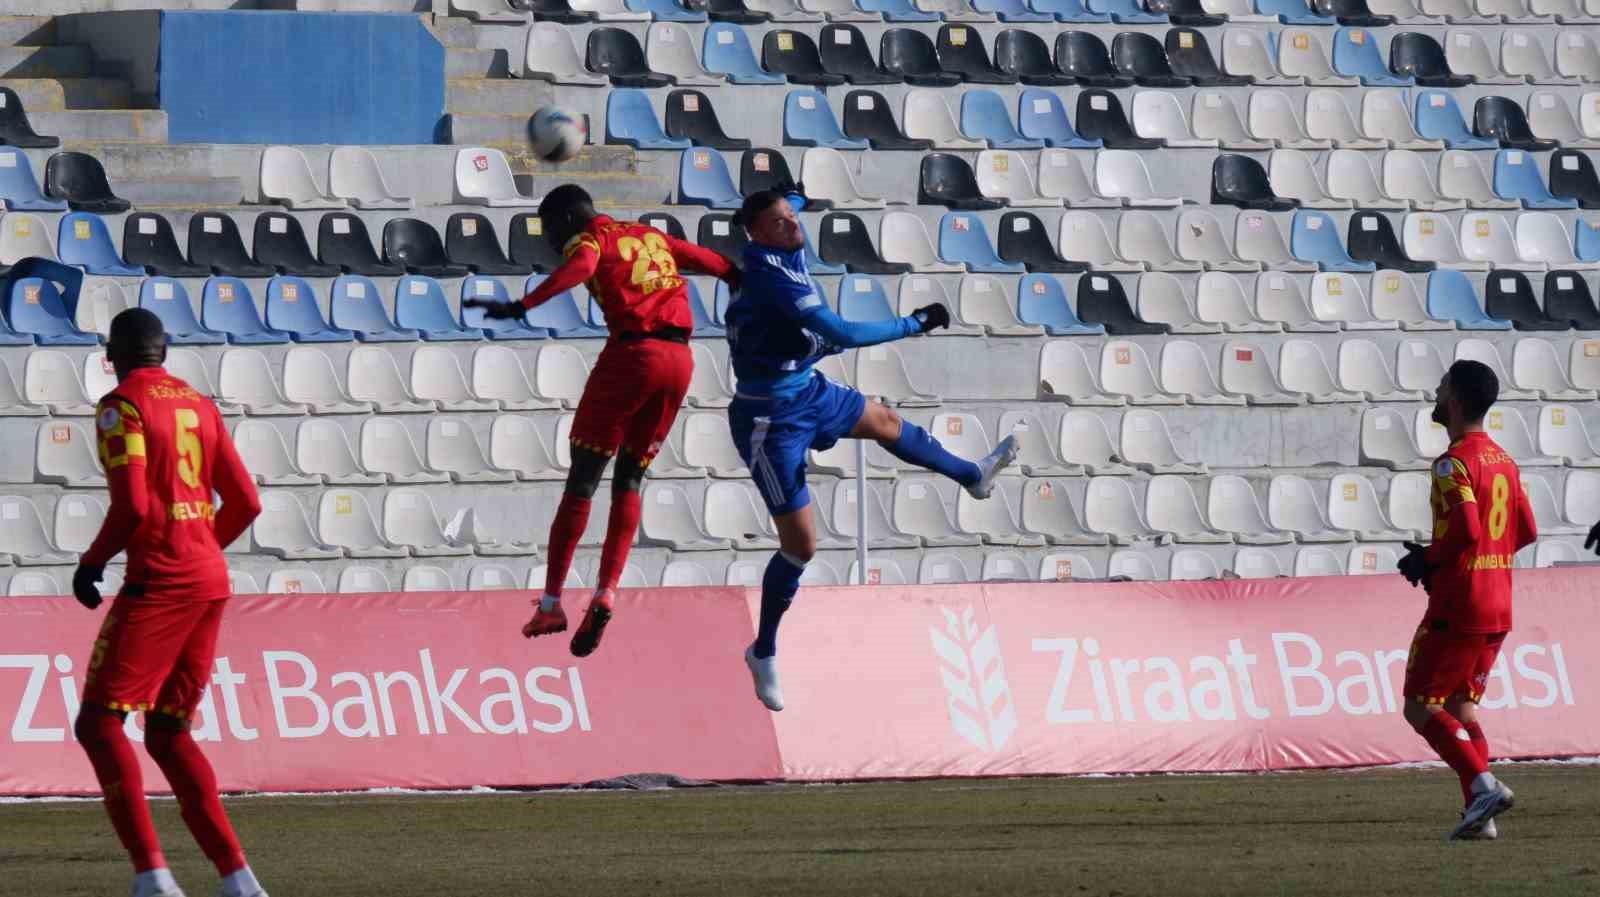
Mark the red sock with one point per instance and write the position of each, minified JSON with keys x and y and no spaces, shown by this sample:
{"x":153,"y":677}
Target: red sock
{"x":1451,"y":741}
{"x":116,"y":767}
{"x":624,"y":521}
{"x":572,"y":515}
{"x":195,"y":785}
{"x":1479,"y":744}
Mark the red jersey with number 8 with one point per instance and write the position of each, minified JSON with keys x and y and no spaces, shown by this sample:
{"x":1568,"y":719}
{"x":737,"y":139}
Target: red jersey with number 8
{"x":636,"y":281}
{"x":1481,"y":519}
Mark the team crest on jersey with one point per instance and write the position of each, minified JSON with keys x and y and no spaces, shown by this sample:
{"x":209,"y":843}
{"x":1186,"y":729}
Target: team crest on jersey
{"x":109,"y":418}
{"x":1443,"y":468}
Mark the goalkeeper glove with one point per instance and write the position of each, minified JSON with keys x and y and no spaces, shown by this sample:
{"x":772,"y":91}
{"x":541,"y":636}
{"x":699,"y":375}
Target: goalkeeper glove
{"x":83,"y":585}
{"x":1414,"y":566}
{"x":496,"y":310}
{"x":932,"y":317}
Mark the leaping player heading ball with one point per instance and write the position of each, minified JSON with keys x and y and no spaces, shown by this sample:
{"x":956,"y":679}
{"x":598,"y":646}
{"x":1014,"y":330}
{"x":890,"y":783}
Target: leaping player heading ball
{"x":1481,"y":519}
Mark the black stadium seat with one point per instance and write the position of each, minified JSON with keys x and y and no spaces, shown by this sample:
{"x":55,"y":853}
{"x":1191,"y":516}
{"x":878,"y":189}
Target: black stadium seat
{"x":214,"y":242}
{"x":416,"y":246}
{"x":343,"y":240}
{"x":1100,"y":115}
{"x":1190,"y":55}
{"x":1185,"y":12}
{"x":719,"y":233}
{"x":1024,"y":239}
{"x":867,"y":116}
{"x":14,"y":127}
{"x":1351,"y":13}
{"x":528,"y":246}
{"x":665,"y":222}
{"x":845,"y":52}
{"x":1026,"y":55}
{"x":960,"y":49}
{"x":845,"y":242}
{"x":1572,"y":176}
{"x":1241,"y":181}
{"x":80,"y":179}
{"x":617,"y":54}
{"x":1372,"y":239}
{"x":1567,"y":298}
{"x":1141,"y":57}
{"x":280,"y":243}
{"x":1508,"y":295}
{"x":469,"y":239}
{"x":148,"y":240}
{"x":690,"y":116}
{"x":1502,"y":119}
{"x":1420,"y":56}
{"x":792,"y":53}
{"x":910,"y":54}
{"x":762,"y":168}
{"x":1101,"y":300}
{"x":1083,"y":56}
{"x":947,"y":180}
{"x":553,"y":11}
{"x":736,"y":12}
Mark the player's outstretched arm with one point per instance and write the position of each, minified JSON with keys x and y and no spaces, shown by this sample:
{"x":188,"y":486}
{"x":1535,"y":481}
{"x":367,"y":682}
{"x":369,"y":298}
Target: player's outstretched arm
{"x":241,"y":504}
{"x":697,"y":258}
{"x":580,"y":266}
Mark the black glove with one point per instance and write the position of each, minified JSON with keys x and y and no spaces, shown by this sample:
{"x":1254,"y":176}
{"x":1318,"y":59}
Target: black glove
{"x":734,"y":278}
{"x":1414,"y":566}
{"x":496,"y":310}
{"x":1593,"y":542}
{"x":932,"y":316}
{"x":83,"y":585}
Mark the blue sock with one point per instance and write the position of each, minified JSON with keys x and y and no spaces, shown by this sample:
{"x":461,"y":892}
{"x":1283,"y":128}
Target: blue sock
{"x":778,"y":586}
{"x":917,"y":447}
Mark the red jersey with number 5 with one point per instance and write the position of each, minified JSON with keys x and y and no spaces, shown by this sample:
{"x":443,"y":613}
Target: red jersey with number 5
{"x":166,"y":453}
{"x":636,"y":280}
{"x":1481,"y":519}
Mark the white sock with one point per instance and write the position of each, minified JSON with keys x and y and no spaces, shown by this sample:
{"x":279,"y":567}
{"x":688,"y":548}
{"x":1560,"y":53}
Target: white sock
{"x":155,"y":880}
{"x":240,"y":884}
{"x":549,"y":603}
{"x":1484,"y":782}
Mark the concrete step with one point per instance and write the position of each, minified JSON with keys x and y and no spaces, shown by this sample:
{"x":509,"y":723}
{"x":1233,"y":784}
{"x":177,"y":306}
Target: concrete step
{"x":103,"y":126}
{"x":473,"y":63}
{"x":454,"y":33}
{"x":31,"y":31}
{"x":496,"y":96}
{"x":204,"y":193}
{"x":56,"y":94}
{"x":66,"y":61}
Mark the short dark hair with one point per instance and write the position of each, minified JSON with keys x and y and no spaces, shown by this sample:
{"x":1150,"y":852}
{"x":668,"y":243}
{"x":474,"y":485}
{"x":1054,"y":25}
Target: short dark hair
{"x":1475,"y":387}
{"x":136,"y":329}
{"x":755,"y":204}
{"x":565,"y":211}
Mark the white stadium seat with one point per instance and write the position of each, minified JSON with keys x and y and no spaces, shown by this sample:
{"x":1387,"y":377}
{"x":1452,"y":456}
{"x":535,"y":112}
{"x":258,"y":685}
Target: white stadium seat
{"x":1161,"y":299}
{"x":1386,"y":441}
{"x":265,"y":454}
{"x":1143,"y":236}
{"x":344,"y":520}
{"x":1065,"y":568}
{"x":920,"y":511}
{"x":373,"y":376}
{"x":1395,"y":298}
{"x":1233,"y":508}
{"x":1362,"y":369}
{"x":1220,"y":300}
{"x":550,"y":55}
{"x":1535,"y":366}
{"x":1461,"y":178}
{"x":1157,"y":115}
{"x":1083,"y":237}
{"x":682,"y":574}
{"x":669,"y":520}
{"x":452,"y":448}
{"x":426,"y":578}
{"x":360,"y":579}
{"x":1245,"y":53}
{"x":1385,"y":116}
{"x":1005,"y":175}
{"x":50,"y":379}
{"x":1339,"y":299}
{"x":65,"y":454}
{"x":1419,"y":367}
{"x":1314,"y":561}
{"x":1004,"y":566}
{"x":1110,"y":508}
{"x":1125,"y":371}
{"x":1281,"y":301}
{"x":294,"y":581}
{"x":354,"y":177}
{"x":1171,"y":507}
{"x":1202,"y":239}
{"x":1294,"y":176}
{"x":904,"y":239}
{"x":411,"y":520}
{"x":77,"y":522}
{"x":1062,"y":176}
{"x":1257,"y":238}
{"x":828,"y":177}
{"x":560,"y":374}
{"x":482,"y":177}
{"x":23,"y":536}
{"x":732,"y":512}
{"x":322,"y":448}
{"x":1507,"y":428}
{"x":1353,"y":505}
{"x":1037,"y":455}
{"x":1047,"y":510}
{"x":498,"y":376}
{"x":1301,"y":54}
{"x":1121,"y":174}
{"x":1065,"y":375}
{"x":309,"y":379}
{"x":1190,"y":565}
{"x":1186,"y":372}
{"x":1087,"y":443}
{"x":286,"y":178}
{"x":1256,"y":563}
{"x":708,"y":443}
{"x":1272,"y":117}
{"x":1372,"y":560}
{"x":1484,"y":352}
{"x":387,"y":448}
{"x":994,"y":518}
{"x":1563,"y":434}
{"x":926,"y":116}
{"x":1410,"y":504}
{"x":1134,"y":565}
{"x":1406,"y":176}
{"x":669,"y":48}
{"x":436,"y":376}
{"x":1292,"y":507}
{"x":1328,"y":118}
{"x":1247,"y":372}
{"x":1305,"y":370}
{"x":880,"y":371}
{"x":284,"y":531}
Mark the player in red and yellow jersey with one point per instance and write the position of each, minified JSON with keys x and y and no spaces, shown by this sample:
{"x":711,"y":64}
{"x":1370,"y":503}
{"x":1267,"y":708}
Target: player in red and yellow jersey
{"x":1481,"y":519}
{"x":634,"y":392}
{"x":166,"y":455}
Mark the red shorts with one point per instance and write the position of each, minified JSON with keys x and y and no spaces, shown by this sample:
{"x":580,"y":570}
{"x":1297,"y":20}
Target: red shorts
{"x":632,"y":397}
{"x":1444,"y":664}
{"x":154,"y":653}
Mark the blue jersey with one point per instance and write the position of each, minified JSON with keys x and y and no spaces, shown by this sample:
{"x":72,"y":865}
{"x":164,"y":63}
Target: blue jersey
{"x":779,"y":325}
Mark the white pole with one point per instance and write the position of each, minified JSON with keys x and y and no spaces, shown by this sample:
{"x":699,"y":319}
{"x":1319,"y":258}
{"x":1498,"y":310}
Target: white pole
{"x":861,"y":511}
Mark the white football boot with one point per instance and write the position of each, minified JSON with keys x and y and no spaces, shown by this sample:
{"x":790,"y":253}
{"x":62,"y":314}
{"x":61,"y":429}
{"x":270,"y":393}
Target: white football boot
{"x":1488,"y":833}
{"x":1490,"y":798}
{"x":1002,"y":457}
{"x":765,"y":673}
{"x":155,"y":883}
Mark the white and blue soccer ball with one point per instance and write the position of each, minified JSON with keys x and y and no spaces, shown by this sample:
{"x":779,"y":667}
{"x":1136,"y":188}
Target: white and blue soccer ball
{"x":558,"y":134}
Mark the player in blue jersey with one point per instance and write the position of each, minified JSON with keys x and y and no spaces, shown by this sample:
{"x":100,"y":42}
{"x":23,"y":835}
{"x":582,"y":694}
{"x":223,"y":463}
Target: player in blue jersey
{"x":778,"y":327}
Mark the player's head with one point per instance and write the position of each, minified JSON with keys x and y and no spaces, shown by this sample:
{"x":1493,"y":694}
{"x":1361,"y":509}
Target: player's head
{"x":769,"y":220}
{"x":1466,"y":392}
{"x":137,"y":341}
{"x":565,"y":211}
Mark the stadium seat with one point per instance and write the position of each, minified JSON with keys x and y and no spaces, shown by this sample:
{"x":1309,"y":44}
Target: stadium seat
{"x":411,"y":521}
{"x":1125,"y":370}
{"x":1157,"y":115}
{"x":516,"y":445}
{"x":1082,"y":56}
{"x":148,"y":241}
{"x":355,"y":177}
{"x":960,"y":49}
{"x":1328,"y":119}
{"x":994,"y":519}
{"x":1082,"y":237}
{"x":1509,"y":296}
{"x":1362,"y":369}
{"x":1572,"y":177}
{"x":763,"y":168}
{"x":24,"y":237}
{"x":1356,"y":53}
{"x":99,"y":375}
{"x":840,"y":10}
{"x":1556,"y":554}
{"x":246,"y":380}
{"x":1372,"y":239}
{"x":615,"y":53}
{"x":1439,"y":122}
{"x":808,"y":121}
{"x":867,"y":116}
{"x":414,"y":245}
{"x":910,"y":55}
{"x":1246,"y":371}
{"x":1233,"y":508}
{"x":1550,"y":118}
{"x":727,"y":51}
{"x":80,"y":180}
{"x":170,"y":301}
{"x":1302,"y":55}
{"x":1279,"y":299}
{"x":1483,"y":351}
{"x":215,"y":243}
{"x":559,"y":374}
{"x":1406,"y":177}
{"x":77,"y":522}
{"x":1101,"y":121}
{"x":791,"y":52}
{"x":1142,"y":236}
{"x":862,"y":298}
{"x":1294,"y":176}
{"x":1111,"y":509}
{"x":36,"y":308}
{"x":1580,"y":503}
{"x":293,"y":308}
{"x":1567,"y":298}
{"x":50,"y":379}
{"x":669,"y":520}
{"x":1522,"y":57}
{"x":85,"y":242}
{"x":284,"y":531}
{"x":419,"y":304}
{"x":928,"y":117}
{"x":1190,"y":565}
{"x":1020,"y":10}
{"x":878,"y":572}
{"x":1241,"y":181}
{"x":286,"y":178}
{"x":844,"y":51}
{"x":982,"y":304}
{"x":1563,"y":434}
{"x":920,"y":511}
{"x":708,"y":443}
{"x":1088,"y":445}
{"x":1047,"y":511}
{"x":880,"y":372}
{"x":704,"y":179}
{"x":1339,"y":299}
{"x":354,"y":305}
{"x":436,"y":376}
{"x":1516,"y":177}
{"x":741,"y":12}
{"x":733,"y":513}
{"x":1004,"y":176}
{"x":631,"y":121}
{"x":1042,"y":301}
{"x":964,"y":240}
{"x":15,"y":129}
{"x":1186,"y":372}
{"x":280,"y":244}
{"x":1292,"y":507}
{"x":827,"y":177}
{"x":65,"y":455}
{"x":1247,"y":55}
{"x":984,"y":116}
{"x":1101,"y":300}
{"x":1201,"y":240}
{"x":1372,"y":560}
{"x":18,"y":189}
{"x":1542,"y":240}
{"x":669,"y":49}
{"x":1256,"y":238}
{"x":309,"y":379}
{"x":717,"y":232}
{"x":24,"y":539}
{"x":267,"y":457}
{"x":1509,"y":430}
{"x":492,"y":290}
{"x":1162,"y":299}
{"x":1430,"y":237}
{"x":483,"y":177}
{"x":1304,"y":370}
{"x":343,"y":241}
{"x":1502,"y":119}
{"x":1025,"y":56}
{"x":1387,"y":441}
{"x":1122,"y":175}
{"x":1061,"y":176}
{"x":1272,"y":118}
{"x":471,"y":241}
{"x":845,"y":242}
{"x":898,"y":10}
{"x":498,"y":376}
{"x":1065,"y":375}
{"x":1315,"y":237}
{"x":1147,"y":442}
{"x":550,"y":55}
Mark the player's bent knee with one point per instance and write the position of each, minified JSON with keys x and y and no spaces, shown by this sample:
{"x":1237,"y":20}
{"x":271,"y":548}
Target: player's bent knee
{"x":1417,"y":713}
{"x":629,"y":475}
{"x":588,"y":466}
{"x":89,"y":728}
{"x":160,"y":731}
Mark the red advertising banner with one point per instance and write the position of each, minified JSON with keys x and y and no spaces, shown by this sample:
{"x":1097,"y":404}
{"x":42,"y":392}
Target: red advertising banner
{"x":439,"y":690}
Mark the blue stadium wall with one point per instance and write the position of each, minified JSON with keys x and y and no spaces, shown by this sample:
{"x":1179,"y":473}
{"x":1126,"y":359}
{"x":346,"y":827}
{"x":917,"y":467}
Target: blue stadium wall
{"x":300,"y":78}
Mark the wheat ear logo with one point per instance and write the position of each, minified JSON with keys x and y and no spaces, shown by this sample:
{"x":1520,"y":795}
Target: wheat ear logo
{"x":974,"y":674}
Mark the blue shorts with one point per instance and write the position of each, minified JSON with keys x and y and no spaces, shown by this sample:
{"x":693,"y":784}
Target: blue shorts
{"x":772,"y":436}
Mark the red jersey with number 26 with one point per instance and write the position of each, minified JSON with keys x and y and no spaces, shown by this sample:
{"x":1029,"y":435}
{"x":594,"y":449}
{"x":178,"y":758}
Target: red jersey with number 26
{"x":636,"y":280}
{"x":1481,"y":519}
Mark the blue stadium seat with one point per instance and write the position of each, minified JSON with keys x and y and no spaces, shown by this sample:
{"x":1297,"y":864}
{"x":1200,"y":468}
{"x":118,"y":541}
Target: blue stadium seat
{"x":356,"y":306}
{"x":1018,"y":11}
{"x":667,"y":10}
{"x":863,"y":298}
{"x":1127,"y":12}
{"x":1315,"y":238}
{"x":1072,"y":11}
{"x":814,"y":262}
{"x":293,"y":308}
{"x":1452,"y":298}
{"x":704,"y":180}
{"x":1516,"y":176}
{"x":1356,"y":55}
{"x":964,"y":239}
{"x":19,"y":189}
{"x":1042,"y":300}
{"x":1439,"y":118}
{"x":727,"y":50}
{"x":808,"y":120}
{"x":704,"y":324}
{"x":82,"y":240}
{"x":560,"y":315}
{"x":491,"y":289}
{"x":723,"y":299}
{"x":419,"y":304}
{"x":227,"y":306}
{"x":984,"y":117}
{"x":631,"y":121}
{"x":170,"y":301}
{"x":898,"y":10}
{"x":1292,"y":12}
{"x":1041,"y":116}
{"x":37,"y":309}
{"x":1587,"y":240}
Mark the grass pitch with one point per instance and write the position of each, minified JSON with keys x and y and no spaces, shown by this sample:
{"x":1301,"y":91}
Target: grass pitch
{"x":1336,"y":834}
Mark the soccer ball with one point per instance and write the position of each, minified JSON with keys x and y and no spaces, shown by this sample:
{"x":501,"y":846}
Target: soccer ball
{"x":558,"y":134}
